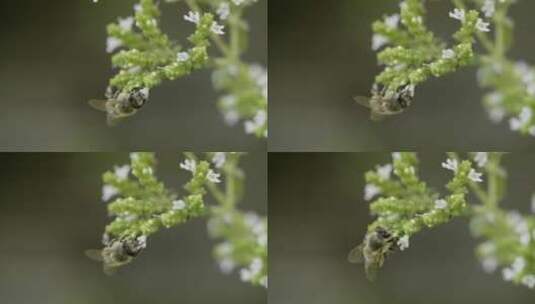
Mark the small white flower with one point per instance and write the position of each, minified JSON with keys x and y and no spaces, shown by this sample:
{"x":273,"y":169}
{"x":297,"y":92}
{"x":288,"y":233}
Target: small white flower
{"x":182,"y":56}
{"x":223,"y":10}
{"x":523,"y":119}
{"x":126,"y":23}
{"x":378,"y":41}
{"x":385,"y":171}
{"x":396,"y":155}
{"x":403,"y":242}
{"x":392,"y":21}
{"x":448,"y":54}
{"x":193,"y":17}
{"x":475,"y":176}
{"x":371,"y":190}
{"x":217,"y":28}
{"x":213,"y":177}
{"x":488,"y":8}
{"x":122,"y":172}
{"x":481,"y":158}
{"x":441,"y":204}
{"x":113,"y":44}
{"x":179,"y":205}
{"x":458,"y":14}
{"x":508,"y":274}
{"x":529,"y":281}
{"x":108,"y":191}
{"x":482,"y":26}
{"x":451,"y":164}
{"x":189,"y":165}
{"x":489,"y":264}
{"x":219,"y":159}
{"x":227,"y":265}
{"x":142,"y":241}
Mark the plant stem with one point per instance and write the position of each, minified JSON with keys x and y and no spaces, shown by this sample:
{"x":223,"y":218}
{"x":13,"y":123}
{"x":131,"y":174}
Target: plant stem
{"x":220,"y":44}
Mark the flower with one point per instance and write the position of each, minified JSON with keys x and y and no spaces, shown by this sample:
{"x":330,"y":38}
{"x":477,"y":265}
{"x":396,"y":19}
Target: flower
{"x":193,"y":17}
{"x":403,"y":242}
{"x":126,"y":23}
{"x":378,"y":41}
{"x":182,"y":56}
{"x":108,"y":191}
{"x":481,"y":158}
{"x":213,"y":177}
{"x":217,"y":28}
{"x":482,"y":26}
{"x":451,"y":164}
{"x":448,"y":54}
{"x":122,"y":172}
{"x":516,"y":123}
{"x":458,"y":14}
{"x":371,"y":190}
{"x":489,"y":7}
{"x":179,"y":205}
{"x":223,"y":10}
{"x":189,"y":165}
{"x":219,"y":159}
{"x":385,"y":171}
{"x":112,"y":44}
{"x":441,"y":204}
{"x":475,"y":176}
{"x":392,"y":21}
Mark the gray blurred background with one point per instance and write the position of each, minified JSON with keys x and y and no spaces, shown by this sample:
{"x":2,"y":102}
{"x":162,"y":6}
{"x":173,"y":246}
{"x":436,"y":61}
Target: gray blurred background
{"x":50,"y":212}
{"x":320,"y":57}
{"x":317,"y":215}
{"x":53,"y":60}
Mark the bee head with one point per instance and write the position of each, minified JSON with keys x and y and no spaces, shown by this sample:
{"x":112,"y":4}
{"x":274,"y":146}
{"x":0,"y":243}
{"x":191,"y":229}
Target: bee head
{"x":405,"y":96}
{"x":133,"y":247}
{"x":138,"y":97}
{"x":383,"y":233}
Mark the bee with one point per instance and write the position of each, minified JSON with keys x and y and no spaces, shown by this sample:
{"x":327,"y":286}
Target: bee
{"x":384,"y":103}
{"x":372,"y":252}
{"x":117,"y":253}
{"x":121,"y":104}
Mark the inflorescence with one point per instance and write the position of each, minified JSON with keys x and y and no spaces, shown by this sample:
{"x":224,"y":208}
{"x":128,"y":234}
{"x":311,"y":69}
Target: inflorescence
{"x":145,"y":57}
{"x":403,"y":205}
{"x":411,"y":54}
{"x":141,"y":205}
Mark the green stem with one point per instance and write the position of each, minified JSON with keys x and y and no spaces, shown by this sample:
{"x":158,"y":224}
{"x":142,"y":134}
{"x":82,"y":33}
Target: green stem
{"x":220,"y":44}
{"x":482,"y":37}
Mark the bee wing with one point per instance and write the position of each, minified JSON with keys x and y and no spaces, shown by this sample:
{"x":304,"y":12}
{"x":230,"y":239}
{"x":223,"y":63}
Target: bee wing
{"x":363,"y":101}
{"x":98,"y":104}
{"x":94,"y":254}
{"x":113,"y":120}
{"x":356,"y":255}
{"x":377,"y":117}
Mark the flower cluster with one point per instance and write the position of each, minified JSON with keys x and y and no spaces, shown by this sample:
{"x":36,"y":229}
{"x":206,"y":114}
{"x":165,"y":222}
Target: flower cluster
{"x":141,"y":206}
{"x":145,"y":56}
{"x":413,"y":53}
{"x":405,"y":205}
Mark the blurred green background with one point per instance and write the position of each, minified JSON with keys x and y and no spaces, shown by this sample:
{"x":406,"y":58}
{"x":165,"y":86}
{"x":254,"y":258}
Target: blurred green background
{"x":50,"y":212}
{"x":320,"y":57}
{"x":317,"y":215}
{"x":53,"y":60}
